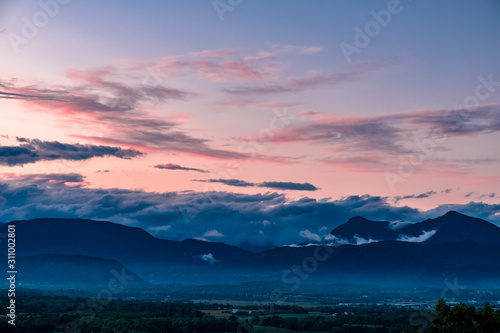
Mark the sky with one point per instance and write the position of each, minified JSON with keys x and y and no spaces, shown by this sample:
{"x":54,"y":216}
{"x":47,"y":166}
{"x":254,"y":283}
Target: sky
{"x":255,"y":123}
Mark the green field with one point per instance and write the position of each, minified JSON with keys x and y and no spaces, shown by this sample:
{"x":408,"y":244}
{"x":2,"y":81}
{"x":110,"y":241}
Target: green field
{"x":266,"y":329}
{"x":269,"y":329}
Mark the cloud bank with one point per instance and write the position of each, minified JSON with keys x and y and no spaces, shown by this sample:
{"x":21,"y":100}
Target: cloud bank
{"x":252,"y":221}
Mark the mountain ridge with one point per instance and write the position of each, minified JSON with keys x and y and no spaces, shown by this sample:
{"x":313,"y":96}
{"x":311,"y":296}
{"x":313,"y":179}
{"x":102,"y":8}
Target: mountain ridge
{"x":466,"y":247}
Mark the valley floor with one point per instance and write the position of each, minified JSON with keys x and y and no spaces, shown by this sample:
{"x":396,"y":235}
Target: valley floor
{"x":55,"y":311}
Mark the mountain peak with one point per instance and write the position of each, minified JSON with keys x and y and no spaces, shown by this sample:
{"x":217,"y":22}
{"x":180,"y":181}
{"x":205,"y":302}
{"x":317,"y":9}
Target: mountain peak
{"x":358,"y":219}
{"x":454,"y":213}
{"x":359,"y":227}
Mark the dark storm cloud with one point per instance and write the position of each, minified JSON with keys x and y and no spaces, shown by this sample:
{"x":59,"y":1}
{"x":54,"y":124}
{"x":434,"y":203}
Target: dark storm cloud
{"x":34,"y":150}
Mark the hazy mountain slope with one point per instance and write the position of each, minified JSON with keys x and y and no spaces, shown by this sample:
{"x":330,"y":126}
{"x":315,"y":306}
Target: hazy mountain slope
{"x":152,"y":258}
{"x":73,"y":270}
{"x":385,"y":263}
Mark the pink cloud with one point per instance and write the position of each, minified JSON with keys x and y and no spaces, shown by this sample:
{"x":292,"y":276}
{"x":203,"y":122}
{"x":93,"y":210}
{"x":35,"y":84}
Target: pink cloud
{"x":214,"y":65}
{"x":229,"y":70}
{"x":287,"y":48}
{"x":311,"y":80}
{"x":306,"y":113}
{"x":221,"y":53}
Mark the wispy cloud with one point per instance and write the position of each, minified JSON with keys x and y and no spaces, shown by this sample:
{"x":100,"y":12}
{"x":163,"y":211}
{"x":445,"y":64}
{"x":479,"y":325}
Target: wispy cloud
{"x":215,"y":65}
{"x":314,"y":79}
{"x":300,"y":49}
{"x":468,"y":121}
{"x":310,"y":235}
{"x":251,"y":104}
{"x":377,"y":143}
{"x":391,"y":132}
{"x":418,"y":239}
{"x":213,"y":233}
{"x":346,"y":134}
{"x":116,"y":108}
{"x":170,"y":166}
{"x":356,"y":240}
{"x":110,"y":97}
{"x":209,"y":257}
{"x":99,"y":98}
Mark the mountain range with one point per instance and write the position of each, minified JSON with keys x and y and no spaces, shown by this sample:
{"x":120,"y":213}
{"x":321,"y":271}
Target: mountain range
{"x":82,"y":252}
{"x":451,"y":227}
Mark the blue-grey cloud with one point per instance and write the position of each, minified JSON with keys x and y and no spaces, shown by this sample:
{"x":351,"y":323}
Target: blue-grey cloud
{"x":270,"y":184}
{"x":51,"y":179}
{"x":170,"y":166}
{"x":228,"y":182}
{"x":427,"y":194}
{"x":289,"y":186}
{"x":34,"y":150}
{"x":480,"y":195}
